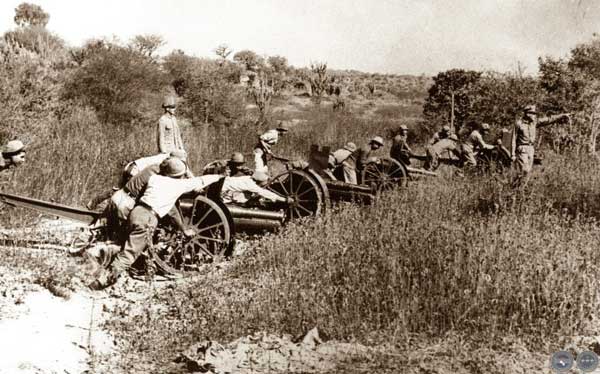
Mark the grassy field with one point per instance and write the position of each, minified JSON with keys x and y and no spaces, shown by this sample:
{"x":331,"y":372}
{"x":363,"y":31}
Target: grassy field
{"x":462,"y":261}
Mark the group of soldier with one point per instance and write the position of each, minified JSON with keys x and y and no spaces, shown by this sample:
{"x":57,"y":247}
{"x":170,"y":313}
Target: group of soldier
{"x":150,"y":186}
{"x":446,"y":144}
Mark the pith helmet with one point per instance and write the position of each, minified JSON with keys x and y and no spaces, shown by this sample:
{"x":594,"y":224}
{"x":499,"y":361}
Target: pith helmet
{"x":377,"y":140}
{"x":169,"y":102}
{"x":446,"y":129}
{"x":453,"y":137}
{"x":14,"y":146}
{"x":403,"y":128}
{"x":237,"y":158}
{"x":350,"y":147}
{"x":178,"y":153}
{"x":260,"y":176}
{"x":282,"y":126}
{"x":530,"y":109}
{"x":485,"y":127}
{"x":172,"y":167}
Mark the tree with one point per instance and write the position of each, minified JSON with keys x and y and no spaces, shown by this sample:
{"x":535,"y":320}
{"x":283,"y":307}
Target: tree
{"x":262,"y":92}
{"x":223,"y":51}
{"x":147,"y":44}
{"x":27,"y":14}
{"x":120,"y":83}
{"x":449,"y":100}
{"x":318,"y":80}
{"x":249,"y":59}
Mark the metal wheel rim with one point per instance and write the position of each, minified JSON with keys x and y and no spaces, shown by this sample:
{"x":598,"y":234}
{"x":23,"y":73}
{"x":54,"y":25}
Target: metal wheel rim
{"x":303,"y":188}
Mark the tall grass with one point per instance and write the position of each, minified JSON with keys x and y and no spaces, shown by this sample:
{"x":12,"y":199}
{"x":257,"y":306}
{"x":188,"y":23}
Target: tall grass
{"x":463,"y":256}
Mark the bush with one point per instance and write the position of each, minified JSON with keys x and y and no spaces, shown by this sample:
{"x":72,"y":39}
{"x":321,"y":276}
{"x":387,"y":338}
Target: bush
{"x":116,"y":81}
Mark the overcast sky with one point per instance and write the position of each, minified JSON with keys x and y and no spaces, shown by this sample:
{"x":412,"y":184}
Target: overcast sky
{"x":393,"y":36}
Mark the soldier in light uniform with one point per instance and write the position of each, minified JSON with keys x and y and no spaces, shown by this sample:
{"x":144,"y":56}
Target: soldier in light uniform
{"x":475,"y":142}
{"x":400,"y":150}
{"x":160,"y":195}
{"x":169,"y":135}
{"x":345,"y":159}
{"x":262,"y":151}
{"x":13,"y":155}
{"x":524,"y":138}
{"x":442,"y":134}
{"x":447,"y":146}
{"x":241,"y":189}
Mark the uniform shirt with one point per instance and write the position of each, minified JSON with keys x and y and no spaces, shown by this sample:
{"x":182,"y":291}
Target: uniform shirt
{"x":162,"y":192}
{"x":444,"y":145}
{"x":169,"y":136}
{"x":437,"y":137}
{"x":362,"y":155}
{"x":474,"y":141}
{"x":137,"y":184}
{"x":344,"y":157}
{"x":261,"y":152}
{"x":525,"y":131}
{"x":234,"y":189}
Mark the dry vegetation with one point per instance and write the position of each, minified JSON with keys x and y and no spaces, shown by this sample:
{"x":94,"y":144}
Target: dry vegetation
{"x":470,"y":267}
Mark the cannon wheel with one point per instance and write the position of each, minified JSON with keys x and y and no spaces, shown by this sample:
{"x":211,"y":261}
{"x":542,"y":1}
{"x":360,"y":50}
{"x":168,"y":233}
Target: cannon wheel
{"x":304,"y":188}
{"x":323,"y":188}
{"x":385,"y":174}
{"x":213,"y":240}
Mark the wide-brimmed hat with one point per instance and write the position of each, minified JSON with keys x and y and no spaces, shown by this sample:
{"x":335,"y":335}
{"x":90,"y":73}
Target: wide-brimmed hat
{"x":350,"y":147}
{"x":377,"y":140}
{"x":453,"y":137}
{"x":446,"y":129}
{"x":14,"y":146}
{"x":237,"y":158}
{"x":403,"y":128}
{"x":485,"y":127}
{"x":172,"y":167}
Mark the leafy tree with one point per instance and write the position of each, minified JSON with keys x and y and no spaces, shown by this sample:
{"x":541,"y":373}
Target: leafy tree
{"x":249,"y":59}
{"x":147,"y":44}
{"x":118,"y":82}
{"x":449,"y":98}
{"x":27,"y":14}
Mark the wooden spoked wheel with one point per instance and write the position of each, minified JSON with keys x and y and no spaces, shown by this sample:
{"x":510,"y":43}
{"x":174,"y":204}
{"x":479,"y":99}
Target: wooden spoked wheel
{"x":302,"y":187}
{"x":385,"y":174}
{"x":213,"y":240}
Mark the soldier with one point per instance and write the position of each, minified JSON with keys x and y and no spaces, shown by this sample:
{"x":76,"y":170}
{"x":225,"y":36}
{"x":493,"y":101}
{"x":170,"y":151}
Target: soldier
{"x":133,"y":168}
{"x":233,"y":167}
{"x":449,"y":146}
{"x":364,"y":153}
{"x":160,"y":195}
{"x":242,"y":189}
{"x":344,"y":160}
{"x":475,"y":142}
{"x":13,"y":155}
{"x":442,"y":134}
{"x":400,"y":150}
{"x":169,"y":135}
{"x":262,"y":150}
{"x":524,"y":139}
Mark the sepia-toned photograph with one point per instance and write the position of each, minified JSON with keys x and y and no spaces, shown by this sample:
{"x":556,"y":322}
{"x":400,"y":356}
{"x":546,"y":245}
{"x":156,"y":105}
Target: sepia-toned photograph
{"x":299,"y":186}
